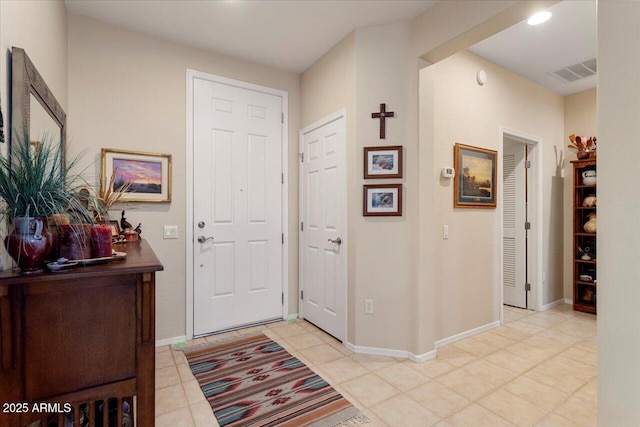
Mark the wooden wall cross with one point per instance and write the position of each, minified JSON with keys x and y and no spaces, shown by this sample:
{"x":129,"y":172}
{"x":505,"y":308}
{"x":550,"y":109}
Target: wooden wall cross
{"x":382,"y":115}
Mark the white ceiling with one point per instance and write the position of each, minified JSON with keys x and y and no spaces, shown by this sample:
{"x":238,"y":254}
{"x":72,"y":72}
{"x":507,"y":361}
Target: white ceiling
{"x":287,"y":35}
{"x":292,"y":34}
{"x":568,"y":38}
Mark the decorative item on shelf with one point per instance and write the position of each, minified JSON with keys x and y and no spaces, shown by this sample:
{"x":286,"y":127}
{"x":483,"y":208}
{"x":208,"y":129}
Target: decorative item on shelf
{"x":131,"y":236}
{"x":585,"y":253}
{"x":590,"y":201}
{"x":109,"y":196}
{"x":34,"y":186}
{"x":101,"y":241}
{"x":589,"y":177}
{"x":138,"y":230}
{"x":591,"y":225}
{"x":588,"y":295}
{"x":586,"y":147}
{"x":124,"y":224}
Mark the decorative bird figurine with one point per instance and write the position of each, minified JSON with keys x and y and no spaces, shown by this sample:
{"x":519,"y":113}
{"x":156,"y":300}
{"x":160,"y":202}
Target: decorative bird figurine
{"x":138,"y":229}
{"x":124,"y":224}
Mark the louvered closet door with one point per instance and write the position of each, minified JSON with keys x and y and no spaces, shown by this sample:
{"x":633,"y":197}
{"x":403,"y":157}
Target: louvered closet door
{"x":514,"y":234}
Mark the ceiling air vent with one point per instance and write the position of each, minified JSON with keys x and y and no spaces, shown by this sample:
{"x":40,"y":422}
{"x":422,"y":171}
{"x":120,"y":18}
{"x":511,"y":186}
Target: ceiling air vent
{"x":576,"y":72}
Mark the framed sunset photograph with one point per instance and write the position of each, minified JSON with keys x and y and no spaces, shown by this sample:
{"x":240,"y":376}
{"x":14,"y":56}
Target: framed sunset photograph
{"x":146,"y":176}
{"x":475,"y":179}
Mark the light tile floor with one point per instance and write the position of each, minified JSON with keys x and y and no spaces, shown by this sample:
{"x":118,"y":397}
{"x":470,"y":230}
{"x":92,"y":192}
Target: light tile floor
{"x":539,"y":369}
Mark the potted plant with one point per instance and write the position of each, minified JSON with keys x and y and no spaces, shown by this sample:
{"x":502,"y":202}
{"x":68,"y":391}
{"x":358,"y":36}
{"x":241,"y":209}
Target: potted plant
{"x":34,"y":185}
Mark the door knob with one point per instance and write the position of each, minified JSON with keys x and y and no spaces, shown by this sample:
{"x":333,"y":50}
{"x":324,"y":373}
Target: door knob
{"x":203,"y":239}
{"x":338,"y":241}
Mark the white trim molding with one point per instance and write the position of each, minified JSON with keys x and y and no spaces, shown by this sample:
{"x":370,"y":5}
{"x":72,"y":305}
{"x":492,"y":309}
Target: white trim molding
{"x":400,"y":354}
{"x":568,"y":301}
{"x":467,"y":334}
{"x":552,"y":304}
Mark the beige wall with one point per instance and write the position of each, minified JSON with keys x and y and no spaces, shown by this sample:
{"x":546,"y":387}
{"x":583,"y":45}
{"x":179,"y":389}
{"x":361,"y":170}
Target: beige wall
{"x":384,"y":265}
{"x":128,"y":91}
{"x":40,"y":28}
{"x":618,"y":213}
{"x":467,"y":274}
{"x":580,"y":112}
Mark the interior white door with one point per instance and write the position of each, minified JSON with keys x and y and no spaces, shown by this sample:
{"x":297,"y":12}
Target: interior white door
{"x":237,"y":253}
{"x":323,"y":237}
{"x":514,"y":207}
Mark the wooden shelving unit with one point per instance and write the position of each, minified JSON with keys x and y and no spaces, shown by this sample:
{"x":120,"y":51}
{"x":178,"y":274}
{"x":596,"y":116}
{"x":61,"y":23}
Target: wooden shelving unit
{"x":584,"y":290}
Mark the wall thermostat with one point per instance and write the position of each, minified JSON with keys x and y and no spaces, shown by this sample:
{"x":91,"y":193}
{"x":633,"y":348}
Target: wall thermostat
{"x":448,"y":172}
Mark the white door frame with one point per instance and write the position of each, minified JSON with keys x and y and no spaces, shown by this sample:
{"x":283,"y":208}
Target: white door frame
{"x":191,"y":75}
{"x":535,"y":216}
{"x":345,"y":217}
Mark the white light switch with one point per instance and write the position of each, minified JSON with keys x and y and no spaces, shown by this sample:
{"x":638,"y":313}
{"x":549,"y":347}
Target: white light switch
{"x":170,"y":232}
{"x":445,"y":232}
{"x":368,"y":306}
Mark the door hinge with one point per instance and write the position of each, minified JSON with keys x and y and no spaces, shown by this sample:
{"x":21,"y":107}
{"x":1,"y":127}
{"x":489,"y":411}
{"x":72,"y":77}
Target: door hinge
{"x":527,"y":287}
{"x":302,"y":226}
{"x":301,"y":155}
{"x":281,"y":117}
{"x":282,"y":177}
{"x":302,"y":295}
{"x":283,"y":238}
{"x":527,"y":225}
{"x":527,"y":164}
{"x":283,"y":298}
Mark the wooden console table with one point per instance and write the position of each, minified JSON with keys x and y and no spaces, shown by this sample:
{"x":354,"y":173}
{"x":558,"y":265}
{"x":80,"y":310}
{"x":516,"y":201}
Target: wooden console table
{"x":83,"y":340}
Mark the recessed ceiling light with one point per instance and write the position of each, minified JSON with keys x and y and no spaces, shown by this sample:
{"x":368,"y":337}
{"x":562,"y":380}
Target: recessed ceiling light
{"x":539,"y":18}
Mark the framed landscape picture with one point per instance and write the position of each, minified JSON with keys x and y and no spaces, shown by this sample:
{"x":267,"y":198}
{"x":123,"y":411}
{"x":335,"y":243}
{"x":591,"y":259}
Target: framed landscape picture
{"x":475,"y":181}
{"x":148,"y":174}
{"x":382,"y":200}
{"x":383,"y":162}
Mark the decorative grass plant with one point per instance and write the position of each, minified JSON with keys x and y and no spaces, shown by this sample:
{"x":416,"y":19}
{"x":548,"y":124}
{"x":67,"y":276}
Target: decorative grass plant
{"x":35,"y":183}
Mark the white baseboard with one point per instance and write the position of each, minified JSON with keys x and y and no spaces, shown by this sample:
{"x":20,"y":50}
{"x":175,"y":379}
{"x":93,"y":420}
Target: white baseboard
{"x":466,"y":334}
{"x":552,"y":304}
{"x":568,"y":301}
{"x":169,"y":341}
{"x":400,"y":354}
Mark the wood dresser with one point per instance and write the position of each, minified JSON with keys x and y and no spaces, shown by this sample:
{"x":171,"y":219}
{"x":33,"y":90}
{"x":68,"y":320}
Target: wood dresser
{"x":80,"y":345}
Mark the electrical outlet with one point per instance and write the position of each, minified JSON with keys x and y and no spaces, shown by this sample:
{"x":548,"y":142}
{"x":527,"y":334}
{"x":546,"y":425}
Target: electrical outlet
{"x":368,"y":306}
{"x":170,"y":232}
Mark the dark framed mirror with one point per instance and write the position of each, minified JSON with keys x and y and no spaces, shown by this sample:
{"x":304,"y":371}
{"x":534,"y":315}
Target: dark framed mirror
{"x":35,"y":111}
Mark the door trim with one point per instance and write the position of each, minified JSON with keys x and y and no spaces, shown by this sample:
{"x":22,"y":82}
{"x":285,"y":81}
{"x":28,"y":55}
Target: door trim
{"x":535,"y":217}
{"x":345,"y":217}
{"x":191,"y":75}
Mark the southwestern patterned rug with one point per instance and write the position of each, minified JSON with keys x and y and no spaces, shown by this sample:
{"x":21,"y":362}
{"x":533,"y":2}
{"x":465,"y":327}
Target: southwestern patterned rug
{"x":253,"y":381}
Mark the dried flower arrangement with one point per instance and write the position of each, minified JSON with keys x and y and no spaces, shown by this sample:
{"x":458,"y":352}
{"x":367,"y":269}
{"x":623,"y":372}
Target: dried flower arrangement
{"x":586,"y":147}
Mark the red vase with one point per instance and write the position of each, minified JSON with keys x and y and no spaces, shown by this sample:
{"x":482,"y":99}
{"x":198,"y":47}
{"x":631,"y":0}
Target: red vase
{"x":29,"y":243}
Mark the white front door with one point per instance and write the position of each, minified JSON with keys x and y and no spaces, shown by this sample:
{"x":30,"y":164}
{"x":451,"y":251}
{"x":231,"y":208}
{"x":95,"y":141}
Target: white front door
{"x":514,"y":205}
{"x":323,"y":253}
{"x":237,"y":206}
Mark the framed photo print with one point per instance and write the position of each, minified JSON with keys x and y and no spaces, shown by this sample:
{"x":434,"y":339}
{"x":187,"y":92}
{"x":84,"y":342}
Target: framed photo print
{"x":382,"y":200}
{"x":148,"y":174}
{"x":383,"y":162}
{"x":475,"y":181}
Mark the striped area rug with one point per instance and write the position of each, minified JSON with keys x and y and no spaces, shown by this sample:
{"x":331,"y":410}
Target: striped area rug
{"x":253,"y":381}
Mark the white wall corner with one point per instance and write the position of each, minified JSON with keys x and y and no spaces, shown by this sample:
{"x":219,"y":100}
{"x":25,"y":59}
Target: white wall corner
{"x":553,"y":304}
{"x":292,"y":316}
{"x":419,"y":358}
{"x":466,"y":334}
{"x":568,"y":301}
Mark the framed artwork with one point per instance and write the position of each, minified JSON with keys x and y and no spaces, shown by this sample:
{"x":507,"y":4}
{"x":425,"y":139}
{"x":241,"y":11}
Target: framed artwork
{"x":148,"y":174}
{"x":382,"y":200}
{"x":383,"y":162}
{"x":115,"y":228}
{"x":475,"y":181}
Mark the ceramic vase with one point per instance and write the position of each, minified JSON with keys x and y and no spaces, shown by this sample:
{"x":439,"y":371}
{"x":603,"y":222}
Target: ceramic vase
{"x":591,"y":225}
{"x":29,"y":243}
